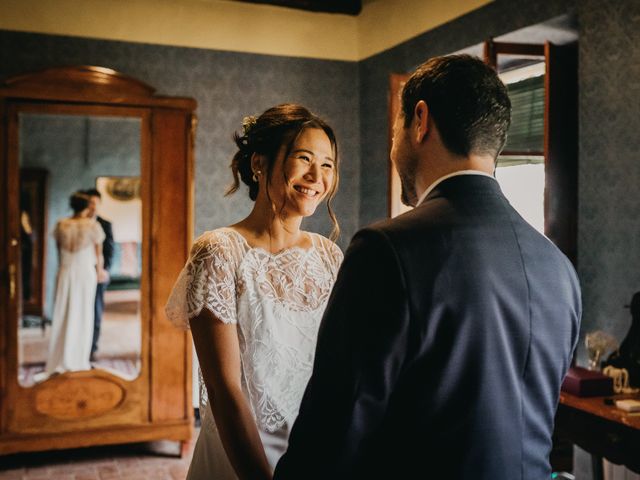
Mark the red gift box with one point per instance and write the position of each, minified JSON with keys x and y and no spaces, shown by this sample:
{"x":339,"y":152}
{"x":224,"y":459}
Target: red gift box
{"x":587,"y":383}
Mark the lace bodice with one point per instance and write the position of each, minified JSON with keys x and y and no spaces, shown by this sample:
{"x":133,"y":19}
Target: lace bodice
{"x":277,"y":301}
{"x":76,"y":234}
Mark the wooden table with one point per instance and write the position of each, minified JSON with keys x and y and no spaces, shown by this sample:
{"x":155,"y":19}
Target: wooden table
{"x":602,"y":430}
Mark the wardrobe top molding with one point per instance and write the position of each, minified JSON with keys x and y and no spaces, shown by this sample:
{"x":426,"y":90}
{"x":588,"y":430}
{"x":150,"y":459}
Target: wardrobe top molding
{"x":89,"y":84}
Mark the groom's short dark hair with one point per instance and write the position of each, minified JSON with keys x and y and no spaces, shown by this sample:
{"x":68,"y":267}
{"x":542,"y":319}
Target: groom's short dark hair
{"x":92,"y":192}
{"x":467,"y":101}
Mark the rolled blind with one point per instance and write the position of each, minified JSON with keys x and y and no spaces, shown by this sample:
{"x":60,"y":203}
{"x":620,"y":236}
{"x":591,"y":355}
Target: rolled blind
{"x":526,"y":133}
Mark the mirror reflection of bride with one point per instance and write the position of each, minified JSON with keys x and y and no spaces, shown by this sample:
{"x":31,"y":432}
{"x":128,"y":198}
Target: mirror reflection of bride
{"x":80,"y":265}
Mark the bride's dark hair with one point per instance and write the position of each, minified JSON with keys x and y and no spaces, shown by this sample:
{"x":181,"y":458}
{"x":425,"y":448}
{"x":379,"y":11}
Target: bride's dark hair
{"x":78,"y":201}
{"x":265,"y":135}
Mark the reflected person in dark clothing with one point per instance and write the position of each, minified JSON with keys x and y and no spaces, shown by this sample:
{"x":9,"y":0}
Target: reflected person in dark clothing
{"x":107,"y":251}
{"x":26,"y":244}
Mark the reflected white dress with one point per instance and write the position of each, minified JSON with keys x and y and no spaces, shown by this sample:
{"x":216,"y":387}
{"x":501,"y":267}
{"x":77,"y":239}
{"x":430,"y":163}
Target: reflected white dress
{"x":277,"y":301}
{"x":76,"y":281}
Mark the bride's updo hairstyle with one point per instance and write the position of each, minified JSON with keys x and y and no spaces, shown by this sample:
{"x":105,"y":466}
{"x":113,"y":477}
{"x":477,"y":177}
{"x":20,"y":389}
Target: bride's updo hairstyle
{"x":78,"y":202}
{"x":265,"y":135}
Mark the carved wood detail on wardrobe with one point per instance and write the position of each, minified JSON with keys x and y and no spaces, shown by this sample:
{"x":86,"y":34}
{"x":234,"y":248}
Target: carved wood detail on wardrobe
{"x":96,"y":407}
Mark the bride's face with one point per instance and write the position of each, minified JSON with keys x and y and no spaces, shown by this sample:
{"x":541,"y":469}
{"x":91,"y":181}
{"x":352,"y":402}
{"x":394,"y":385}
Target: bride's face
{"x":303,"y":179}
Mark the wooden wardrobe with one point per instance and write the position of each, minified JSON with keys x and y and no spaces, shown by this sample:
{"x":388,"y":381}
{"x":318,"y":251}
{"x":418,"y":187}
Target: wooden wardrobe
{"x":96,"y":407}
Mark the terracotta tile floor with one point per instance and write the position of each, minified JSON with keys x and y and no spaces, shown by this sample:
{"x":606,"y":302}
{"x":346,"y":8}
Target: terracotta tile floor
{"x":140,"y":461}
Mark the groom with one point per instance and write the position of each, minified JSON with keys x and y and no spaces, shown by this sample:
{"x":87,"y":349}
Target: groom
{"x":451,"y":327}
{"x":107,"y":252}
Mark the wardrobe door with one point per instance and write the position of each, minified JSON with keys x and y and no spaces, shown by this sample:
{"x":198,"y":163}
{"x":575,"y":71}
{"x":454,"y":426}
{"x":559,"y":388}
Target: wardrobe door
{"x":91,"y":127}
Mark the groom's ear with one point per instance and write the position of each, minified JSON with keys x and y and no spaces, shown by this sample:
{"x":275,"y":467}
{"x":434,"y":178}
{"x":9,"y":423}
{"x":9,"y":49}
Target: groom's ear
{"x":420,"y":126}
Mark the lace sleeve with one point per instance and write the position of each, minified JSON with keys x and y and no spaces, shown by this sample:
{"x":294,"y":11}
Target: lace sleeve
{"x":97,"y":233}
{"x":332,"y":255}
{"x":206,"y":281}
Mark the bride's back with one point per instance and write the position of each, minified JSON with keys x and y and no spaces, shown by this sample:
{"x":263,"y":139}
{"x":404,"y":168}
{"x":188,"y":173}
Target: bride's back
{"x":76,"y":237}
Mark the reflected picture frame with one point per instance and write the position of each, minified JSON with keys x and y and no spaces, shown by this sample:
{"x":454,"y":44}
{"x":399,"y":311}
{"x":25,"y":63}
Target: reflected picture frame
{"x":122,"y":206}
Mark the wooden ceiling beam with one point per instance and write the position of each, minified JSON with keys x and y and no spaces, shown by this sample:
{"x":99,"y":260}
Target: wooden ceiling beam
{"x":349,"y":7}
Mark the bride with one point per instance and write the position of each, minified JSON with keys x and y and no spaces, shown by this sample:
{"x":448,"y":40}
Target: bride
{"x":253,"y":294}
{"x":79,"y":241}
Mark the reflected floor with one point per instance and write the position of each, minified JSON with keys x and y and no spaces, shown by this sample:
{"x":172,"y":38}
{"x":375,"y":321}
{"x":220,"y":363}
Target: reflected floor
{"x":118,"y":347}
{"x":122,"y":367}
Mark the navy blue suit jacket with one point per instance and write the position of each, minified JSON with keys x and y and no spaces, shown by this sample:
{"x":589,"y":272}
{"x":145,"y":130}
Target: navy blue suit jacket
{"x":442,"y":349}
{"x":108,"y":244}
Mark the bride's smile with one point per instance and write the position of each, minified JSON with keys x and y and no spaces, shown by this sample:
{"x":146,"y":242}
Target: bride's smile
{"x":302,"y":180}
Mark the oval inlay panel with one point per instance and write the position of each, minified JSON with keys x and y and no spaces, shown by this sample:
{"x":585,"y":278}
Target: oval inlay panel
{"x":76,"y":398}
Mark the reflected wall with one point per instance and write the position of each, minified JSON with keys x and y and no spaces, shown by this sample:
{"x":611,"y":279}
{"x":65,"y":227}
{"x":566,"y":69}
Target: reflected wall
{"x":76,"y":150}
{"x":80,"y":152}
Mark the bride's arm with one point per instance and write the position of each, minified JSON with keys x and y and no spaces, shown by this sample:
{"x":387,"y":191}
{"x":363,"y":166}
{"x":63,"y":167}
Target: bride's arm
{"x":219,"y":356}
{"x":103,"y":276}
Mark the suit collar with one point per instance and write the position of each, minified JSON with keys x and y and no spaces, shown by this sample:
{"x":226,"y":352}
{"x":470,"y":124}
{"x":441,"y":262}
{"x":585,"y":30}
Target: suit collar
{"x":459,"y":173}
{"x":463,"y":183}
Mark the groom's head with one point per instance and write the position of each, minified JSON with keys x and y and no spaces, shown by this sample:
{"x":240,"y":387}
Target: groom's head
{"x":94,"y":200}
{"x":466,"y":100}
{"x":456,"y":100}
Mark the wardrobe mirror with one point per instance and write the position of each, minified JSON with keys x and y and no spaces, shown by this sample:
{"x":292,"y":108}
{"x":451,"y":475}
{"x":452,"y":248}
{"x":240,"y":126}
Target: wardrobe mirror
{"x":62,"y":326}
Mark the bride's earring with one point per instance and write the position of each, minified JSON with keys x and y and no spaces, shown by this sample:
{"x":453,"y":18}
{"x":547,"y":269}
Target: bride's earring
{"x":255,"y":175}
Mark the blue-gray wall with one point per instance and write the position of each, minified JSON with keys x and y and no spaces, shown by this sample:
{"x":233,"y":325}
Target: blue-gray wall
{"x":609,"y":102}
{"x":609,"y":119}
{"x":75,"y":150}
{"x":609,"y":168}
{"x":227,"y":87}
{"x":495,"y":19}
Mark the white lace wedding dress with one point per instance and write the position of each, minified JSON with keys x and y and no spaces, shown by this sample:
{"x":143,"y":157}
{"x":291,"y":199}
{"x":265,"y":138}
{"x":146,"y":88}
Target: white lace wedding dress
{"x":73,"y":310}
{"x":277,"y":301}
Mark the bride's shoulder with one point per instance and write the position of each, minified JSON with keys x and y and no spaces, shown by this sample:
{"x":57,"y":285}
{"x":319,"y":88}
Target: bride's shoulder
{"x":219,"y":240}
{"x":69,"y":223}
{"x":66,"y":221}
{"x":88,"y":223}
{"x":328,"y":246}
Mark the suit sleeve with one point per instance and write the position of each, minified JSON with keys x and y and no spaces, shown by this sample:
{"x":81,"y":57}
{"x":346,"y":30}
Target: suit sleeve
{"x":360,"y":353}
{"x":108,"y":245}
